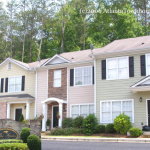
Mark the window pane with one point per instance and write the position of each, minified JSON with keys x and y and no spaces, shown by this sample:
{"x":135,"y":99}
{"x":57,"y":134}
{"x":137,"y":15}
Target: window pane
{"x":116,"y":106}
{"x":112,"y":63}
{"x":123,"y":73}
{"x":127,"y":106}
{"x":78,"y":81}
{"x":57,"y":78}
{"x":78,"y":72}
{"x":112,"y":74}
{"x":75,"y":111}
{"x":123,"y":62}
{"x":84,"y":110}
{"x":91,"y":109}
{"x":106,"y":107}
{"x":106,"y":117}
{"x":115,"y":114}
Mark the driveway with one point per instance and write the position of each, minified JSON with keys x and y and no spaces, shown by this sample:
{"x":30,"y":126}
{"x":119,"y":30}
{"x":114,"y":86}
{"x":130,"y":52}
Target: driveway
{"x":60,"y":145}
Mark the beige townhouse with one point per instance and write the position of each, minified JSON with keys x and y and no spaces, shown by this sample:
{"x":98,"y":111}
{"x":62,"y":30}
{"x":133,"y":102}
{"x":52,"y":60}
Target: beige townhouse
{"x":123,"y":81}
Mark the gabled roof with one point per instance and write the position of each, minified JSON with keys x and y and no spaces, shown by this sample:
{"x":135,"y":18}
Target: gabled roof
{"x":142,"y":83}
{"x":19,"y":63}
{"x":122,"y":45}
{"x":56,"y":59}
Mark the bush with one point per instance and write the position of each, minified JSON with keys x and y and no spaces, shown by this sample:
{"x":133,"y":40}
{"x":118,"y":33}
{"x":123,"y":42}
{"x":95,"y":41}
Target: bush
{"x":135,"y":132}
{"x":21,"y":119}
{"x":100,"y":128}
{"x":89,"y":124}
{"x":122,"y":124}
{"x":65,"y":131}
{"x":13,"y":146}
{"x":78,"y":122}
{"x":67,"y":123}
{"x":34,"y":142}
{"x":24,"y":134}
{"x":10,"y":141}
{"x":110,"y":128}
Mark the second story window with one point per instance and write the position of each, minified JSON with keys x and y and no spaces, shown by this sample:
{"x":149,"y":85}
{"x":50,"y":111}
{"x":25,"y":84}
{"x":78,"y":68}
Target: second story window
{"x":147,"y":64}
{"x":83,"y":76}
{"x":14,"y":84}
{"x":57,"y":78}
{"x":117,"y":68}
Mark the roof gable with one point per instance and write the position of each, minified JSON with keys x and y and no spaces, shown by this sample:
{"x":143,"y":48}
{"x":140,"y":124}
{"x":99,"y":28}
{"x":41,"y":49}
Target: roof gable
{"x":56,"y":60}
{"x":143,"y":82}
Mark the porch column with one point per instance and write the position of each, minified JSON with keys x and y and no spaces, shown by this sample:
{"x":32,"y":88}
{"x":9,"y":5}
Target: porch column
{"x":27,"y":111}
{"x":60,"y":114}
{"x":44,"y":105}
{"x":8,"y":110}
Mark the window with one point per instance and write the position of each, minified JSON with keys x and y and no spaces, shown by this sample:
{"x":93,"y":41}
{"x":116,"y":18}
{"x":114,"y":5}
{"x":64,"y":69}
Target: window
{"x":9,"y":66}
{"x":147,"y":64}
{"x":57,"y":78}
{"x":83,"y":76}
{"x":14,"y":84}
{"x":117,"y":68}
{"x":82,"y":110}
{"x":109,"y":110}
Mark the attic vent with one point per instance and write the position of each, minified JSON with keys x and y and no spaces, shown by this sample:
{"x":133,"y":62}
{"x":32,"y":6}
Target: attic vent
{"x":9,"y":66}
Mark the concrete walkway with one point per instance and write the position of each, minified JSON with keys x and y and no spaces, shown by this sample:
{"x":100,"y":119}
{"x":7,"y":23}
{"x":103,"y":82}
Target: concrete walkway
{"x":97,"y":139}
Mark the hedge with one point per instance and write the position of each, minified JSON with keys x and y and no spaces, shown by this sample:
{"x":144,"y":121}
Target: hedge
{"x":13,"y":146}
{"x":10,"y":141}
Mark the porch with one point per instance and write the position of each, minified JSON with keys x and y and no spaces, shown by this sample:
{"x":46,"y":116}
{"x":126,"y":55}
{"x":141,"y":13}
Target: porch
{"x":54,"y":109}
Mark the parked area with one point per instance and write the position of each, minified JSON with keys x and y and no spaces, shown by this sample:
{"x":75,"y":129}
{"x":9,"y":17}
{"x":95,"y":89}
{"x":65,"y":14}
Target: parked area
{"x":57,"y":145}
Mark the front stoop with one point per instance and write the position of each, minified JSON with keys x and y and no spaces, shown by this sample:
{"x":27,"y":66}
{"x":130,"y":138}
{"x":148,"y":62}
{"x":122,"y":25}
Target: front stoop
{"x":126,"y":140}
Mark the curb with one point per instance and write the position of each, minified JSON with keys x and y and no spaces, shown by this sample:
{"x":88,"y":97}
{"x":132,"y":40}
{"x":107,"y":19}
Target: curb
{"x":79,"y":139}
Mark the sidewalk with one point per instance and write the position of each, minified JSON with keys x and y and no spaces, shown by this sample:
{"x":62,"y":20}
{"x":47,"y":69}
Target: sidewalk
{"x":97,"y":139}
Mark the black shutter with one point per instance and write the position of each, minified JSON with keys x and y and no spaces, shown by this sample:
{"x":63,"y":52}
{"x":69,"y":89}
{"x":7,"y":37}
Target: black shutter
{"x":93,"y":74}
{"x":2,"y":85}
{"x":6,"y":85}
{"x":131,"y":66}
{"x":71,"y":77}
{"x":103,"y":69}
{"x":23,"y":83}
{"x":143,"y":65}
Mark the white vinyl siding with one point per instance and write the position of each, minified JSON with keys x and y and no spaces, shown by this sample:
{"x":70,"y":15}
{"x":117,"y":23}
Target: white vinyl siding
{"x":83,"y":76}
{"x":14,"y":84}
{"x":82,"y":110}
{"x":110,"y":109}
{"x":57,"y":78}
{"x":147,"y":64}
{"x":117,"y":68}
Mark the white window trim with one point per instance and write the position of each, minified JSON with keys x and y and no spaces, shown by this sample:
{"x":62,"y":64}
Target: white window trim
{"x":8,"y":83}
{"x":111,"y":109}
{"x":146,"y":57}
{"x":82,"y":77}
{"x":57,"y":79}
{"x":81,"y":104}
{"x":118,"y":67}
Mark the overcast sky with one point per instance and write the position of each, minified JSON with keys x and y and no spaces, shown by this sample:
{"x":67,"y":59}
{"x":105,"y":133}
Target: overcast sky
{"x":4,"y":1}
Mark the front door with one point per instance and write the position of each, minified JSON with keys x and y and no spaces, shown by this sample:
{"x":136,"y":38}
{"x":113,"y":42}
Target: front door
{"x":18,"y":114}
{"x":55,"y":116}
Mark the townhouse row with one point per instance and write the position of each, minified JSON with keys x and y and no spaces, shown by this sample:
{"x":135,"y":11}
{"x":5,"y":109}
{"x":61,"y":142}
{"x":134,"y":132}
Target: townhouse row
{"x":104,"y":81}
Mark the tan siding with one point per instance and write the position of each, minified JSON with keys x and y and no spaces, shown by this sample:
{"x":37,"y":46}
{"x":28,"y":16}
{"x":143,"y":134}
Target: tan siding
{"x":120,"y":89}
{"x":18,"y":71}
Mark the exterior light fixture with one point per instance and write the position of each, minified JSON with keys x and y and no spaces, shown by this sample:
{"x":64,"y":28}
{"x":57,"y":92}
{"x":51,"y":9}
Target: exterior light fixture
{"x":140,"y":99}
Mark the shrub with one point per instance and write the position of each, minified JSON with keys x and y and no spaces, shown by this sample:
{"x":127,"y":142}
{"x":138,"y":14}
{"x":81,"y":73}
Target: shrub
{"x":100,"y":128}
{"x":135,"y":132}
{"x":67,"y":123}
{"x":34,"y":142}
{"x":13,"y":146}
{"x":24,"y":134}
{"x":110,"y":128}
{"x":10,"y":141}
{"x":89,"y":124}
{"x":122,"y":123}
{"x":78,"y":122}
{"x":21,"y":119}
{"x":65,"y":131}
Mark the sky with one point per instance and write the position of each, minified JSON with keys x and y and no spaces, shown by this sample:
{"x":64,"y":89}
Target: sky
{"x":4,"y":1}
